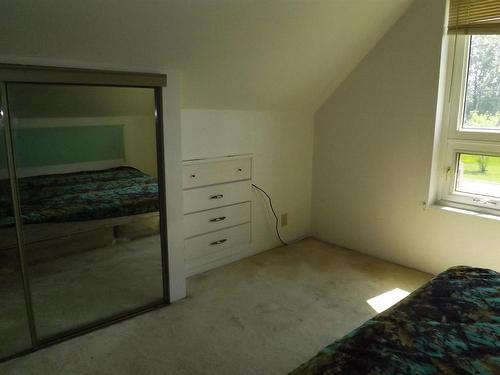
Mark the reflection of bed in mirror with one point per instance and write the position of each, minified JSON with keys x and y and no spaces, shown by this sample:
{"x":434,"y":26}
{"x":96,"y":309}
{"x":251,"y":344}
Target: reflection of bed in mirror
{"x":82,"y":160}
{"x":68,"y":212}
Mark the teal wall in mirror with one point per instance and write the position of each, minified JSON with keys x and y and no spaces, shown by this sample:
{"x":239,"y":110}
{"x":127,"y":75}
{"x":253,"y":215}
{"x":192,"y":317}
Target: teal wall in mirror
{"x":42,"y":146}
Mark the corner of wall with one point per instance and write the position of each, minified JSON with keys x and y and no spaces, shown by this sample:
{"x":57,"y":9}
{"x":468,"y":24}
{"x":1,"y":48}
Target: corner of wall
{"x":374,"y":138}
{"x":173,"y":176}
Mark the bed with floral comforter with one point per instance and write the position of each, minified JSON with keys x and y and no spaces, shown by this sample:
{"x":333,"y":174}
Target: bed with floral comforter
{"x":81,"y":196}
{"x":451,"y":325}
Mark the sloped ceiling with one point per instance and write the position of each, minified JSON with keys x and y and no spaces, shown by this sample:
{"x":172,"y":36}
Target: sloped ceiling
{"x":239,"y":54}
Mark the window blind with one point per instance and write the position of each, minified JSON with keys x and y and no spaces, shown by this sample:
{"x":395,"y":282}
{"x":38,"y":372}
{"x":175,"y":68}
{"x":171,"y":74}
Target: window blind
{"x":474,"y":17}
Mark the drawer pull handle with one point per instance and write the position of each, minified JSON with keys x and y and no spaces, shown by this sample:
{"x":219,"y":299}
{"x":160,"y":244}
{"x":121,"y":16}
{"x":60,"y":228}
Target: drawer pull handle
{"x":218,"y":242}
{"x":215,"y":219}
{"x":192,"y":176}
{"x":218,"y":196}
{"x":239,"y":169}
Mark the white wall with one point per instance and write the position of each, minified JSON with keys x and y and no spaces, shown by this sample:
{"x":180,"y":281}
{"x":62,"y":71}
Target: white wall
{"x":373,"y":151}
{"x":281,"y":144}
{"x":173,"y":184}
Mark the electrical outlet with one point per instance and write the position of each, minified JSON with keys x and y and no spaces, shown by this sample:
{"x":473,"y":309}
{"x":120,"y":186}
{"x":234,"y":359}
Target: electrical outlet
{"x":284,"y":220}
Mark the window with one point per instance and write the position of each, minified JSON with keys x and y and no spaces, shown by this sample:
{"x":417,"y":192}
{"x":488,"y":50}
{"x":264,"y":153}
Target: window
{"x":470,"y":148}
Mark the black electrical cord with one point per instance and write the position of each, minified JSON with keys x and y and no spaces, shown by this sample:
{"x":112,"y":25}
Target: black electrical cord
{"x":274,"y":213}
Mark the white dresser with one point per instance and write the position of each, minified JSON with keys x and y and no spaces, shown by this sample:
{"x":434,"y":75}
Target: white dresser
{"x":217,"y":210}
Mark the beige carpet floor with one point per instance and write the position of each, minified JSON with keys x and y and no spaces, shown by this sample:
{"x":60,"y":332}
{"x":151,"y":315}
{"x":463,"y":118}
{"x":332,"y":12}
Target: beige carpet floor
{"x":262,"y":315}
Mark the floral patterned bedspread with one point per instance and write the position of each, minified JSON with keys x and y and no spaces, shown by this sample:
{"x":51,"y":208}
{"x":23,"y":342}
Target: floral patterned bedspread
{"x":81,"y":196}
{"x":451,"y":325}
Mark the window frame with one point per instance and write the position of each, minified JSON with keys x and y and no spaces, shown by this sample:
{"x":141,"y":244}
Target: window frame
{"x":456,"y":140}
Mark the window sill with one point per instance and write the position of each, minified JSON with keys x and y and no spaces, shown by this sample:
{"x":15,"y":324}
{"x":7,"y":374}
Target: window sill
{"x":442,"y":206}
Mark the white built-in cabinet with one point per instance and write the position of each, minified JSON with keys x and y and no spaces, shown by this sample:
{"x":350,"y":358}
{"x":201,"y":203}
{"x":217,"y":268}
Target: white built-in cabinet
{"x":217,"y":210}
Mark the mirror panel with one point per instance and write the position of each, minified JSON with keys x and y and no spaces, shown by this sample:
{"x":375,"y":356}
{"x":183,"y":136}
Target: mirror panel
{"x":14,"y":329}
{"x":87,"y":174}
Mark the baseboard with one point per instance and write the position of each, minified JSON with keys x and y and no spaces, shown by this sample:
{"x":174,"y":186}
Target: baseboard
{"x":197,"y":266}
{"x":304,"y":237}
{"x":200,"y":265}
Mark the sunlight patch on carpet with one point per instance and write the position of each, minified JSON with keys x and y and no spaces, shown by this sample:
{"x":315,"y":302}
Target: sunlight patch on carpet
{"x":385,"y":300}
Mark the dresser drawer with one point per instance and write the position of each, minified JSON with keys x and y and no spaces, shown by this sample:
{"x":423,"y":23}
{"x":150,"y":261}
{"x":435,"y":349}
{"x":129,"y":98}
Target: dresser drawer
{"x":216,"y":219}
{"x":217,"y":172}
{"x":216,"y":196}
{"x":214,"y":242}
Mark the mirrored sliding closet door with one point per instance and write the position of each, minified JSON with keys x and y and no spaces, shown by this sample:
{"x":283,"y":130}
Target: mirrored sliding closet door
{"x":87,"y":172}
{"x":14,"y":329}
{"x":82,"y":213}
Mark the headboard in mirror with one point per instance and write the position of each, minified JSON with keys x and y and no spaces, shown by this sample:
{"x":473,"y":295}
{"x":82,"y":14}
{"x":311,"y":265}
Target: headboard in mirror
{"x":65,"y":149}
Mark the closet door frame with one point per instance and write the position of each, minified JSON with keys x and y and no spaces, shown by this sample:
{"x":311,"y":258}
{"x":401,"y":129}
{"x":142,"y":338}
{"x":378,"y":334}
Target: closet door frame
{"x":11,"y":73}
